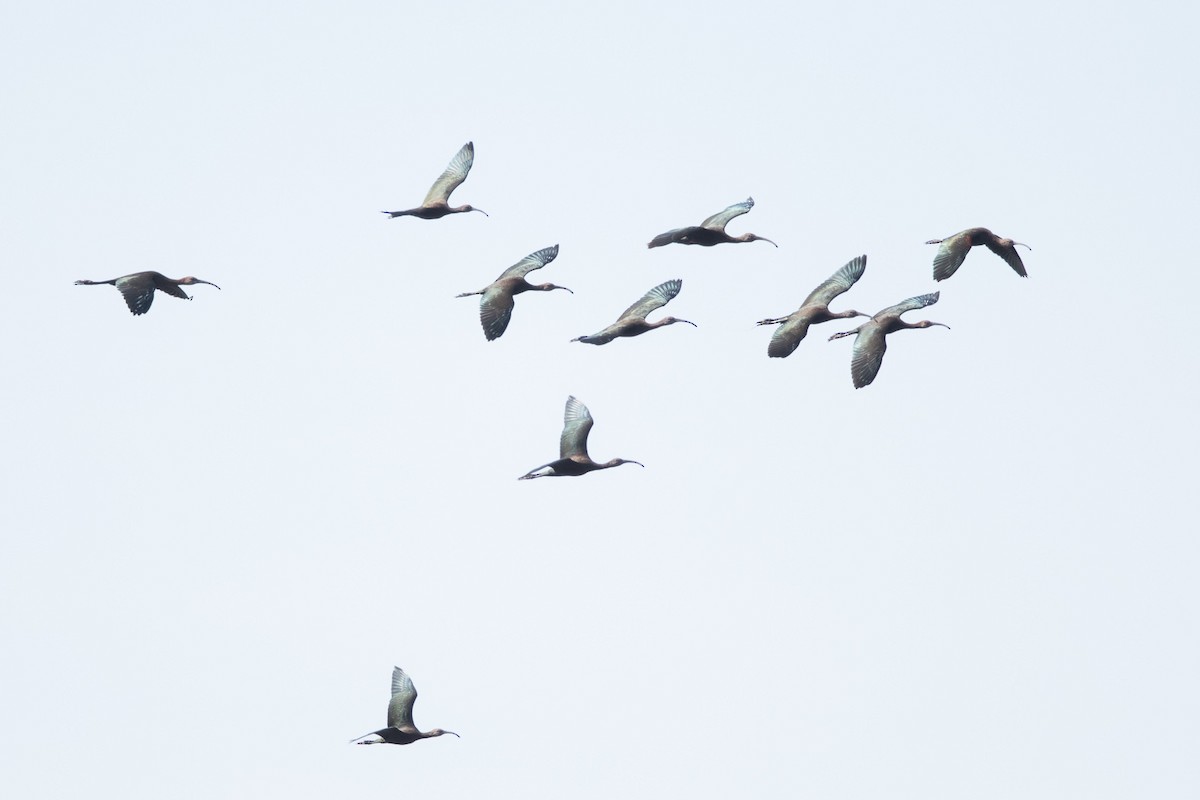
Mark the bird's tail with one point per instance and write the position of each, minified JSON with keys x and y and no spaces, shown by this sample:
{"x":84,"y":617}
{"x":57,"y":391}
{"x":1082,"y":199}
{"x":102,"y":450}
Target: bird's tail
{"x":662,"y":239}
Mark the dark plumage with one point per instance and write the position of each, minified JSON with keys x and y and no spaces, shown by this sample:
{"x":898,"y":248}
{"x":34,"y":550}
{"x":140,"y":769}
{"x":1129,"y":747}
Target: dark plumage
{"x":496,"y":305}
{"x":138,"y":288}
{"x":632,"y":321}
{"x":814,"y":310}
{"x":400,"y":728}
{"x":711,"y":231}
{"x":436,"y":204}
{"x":953,"y":250}
{"x":572,"y":447}
{"x":871,"y":341}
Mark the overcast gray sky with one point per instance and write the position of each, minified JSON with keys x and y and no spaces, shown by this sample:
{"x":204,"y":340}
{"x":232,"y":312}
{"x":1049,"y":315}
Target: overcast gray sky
{"x":226,"y":520}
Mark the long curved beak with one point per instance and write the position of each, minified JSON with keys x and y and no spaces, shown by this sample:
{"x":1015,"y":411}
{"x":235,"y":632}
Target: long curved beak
{"x":688,"y":321}
{"x":210,"y":283}
{"x":1027,"y":247}
{"x":481,"y":211}
{"x":765,"y":239}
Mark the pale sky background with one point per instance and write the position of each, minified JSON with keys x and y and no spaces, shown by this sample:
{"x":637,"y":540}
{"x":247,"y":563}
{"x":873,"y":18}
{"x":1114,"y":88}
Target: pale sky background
{"x":226,"y":520}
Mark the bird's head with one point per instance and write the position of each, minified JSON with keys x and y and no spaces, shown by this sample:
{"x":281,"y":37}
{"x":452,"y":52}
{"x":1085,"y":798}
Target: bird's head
{"x":439,"y":732}
{"x":754,"y":237}
{"x":549,"y":287}
{"x":673,"y":320}
{"x":473,"y":208}
{"x":1011,"y":243}
{"x":927,"y":324}
{"x":616,"y":462}
{"x":190,"y":281}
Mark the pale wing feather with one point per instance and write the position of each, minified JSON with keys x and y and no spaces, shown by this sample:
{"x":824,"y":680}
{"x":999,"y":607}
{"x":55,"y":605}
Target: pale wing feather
{"x":838,"y":282}
{"x":495,"y":310}
{"x":577,"y":424}
{"x":911,"y":304}
{"x":718,"y":221}
{"x":867,"y":356}
{"x":950,"y":255}
{"x":404,"y":695}
{"x":452,"y":178}
{"x":657,"y":297}
{"x":530,"y":262}
{"x":788,"y":336}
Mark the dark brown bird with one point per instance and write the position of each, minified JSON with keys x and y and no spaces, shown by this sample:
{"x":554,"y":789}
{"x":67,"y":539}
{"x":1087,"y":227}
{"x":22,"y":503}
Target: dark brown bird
{"x":954,"y":249}
{"x":400,"y":728}
{"x":138,"y":288}
{"x":573,"y":458}
{"x":871,"y":343}
{"x":712,"y":230}
{"x":496,"y":305}
{"x":814,"y":310}
{"x":632,"y":321}
{"x":437,"y":203}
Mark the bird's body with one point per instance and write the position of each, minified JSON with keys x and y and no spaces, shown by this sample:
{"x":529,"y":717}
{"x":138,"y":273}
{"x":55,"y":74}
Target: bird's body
{"x":954,"y":249}
{"x":400,"y":728}
{"x":437,"y":203}
{"x":814,"y":310}
{"x":572,"y":447}
{"x":496,"y":305}
{"x":711,"y":231}
{"x":871,"y":341}
{"x":138,"y":288}
{"x":632,"y":321}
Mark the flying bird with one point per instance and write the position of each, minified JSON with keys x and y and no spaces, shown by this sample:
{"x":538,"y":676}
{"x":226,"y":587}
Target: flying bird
{"x":814,"y":310}
{"x":138,"y":288}
{"x":871,"y":342}
{"x":953,"y":250}
{"x":712,"y":230}
{"x":632,"y":321}
{"x":572,"y":447}
{"x":436,"y":204}
{"x":400,"y":728}
{"x":496,"y":305}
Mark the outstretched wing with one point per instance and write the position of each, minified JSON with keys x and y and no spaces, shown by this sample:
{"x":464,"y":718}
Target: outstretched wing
{"x":838,"y":282}
{"x":950,"y":255}
{"x":867,"y":356}
{"x":1010,"y":255}
{"x":138,"y":291}
{"x":657,"y":297}
{"x":577,"y":424}
{"x":452,"y":178}
{"x":911,"y":304}
{"x":530,"y":262}
{"x":717,"y":222}
{"x":404,"y":694}
{"x":495,"y":310}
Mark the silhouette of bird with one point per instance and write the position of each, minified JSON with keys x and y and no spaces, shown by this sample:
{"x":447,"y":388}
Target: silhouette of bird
{"x":400,"y":728}
{"x":871,"y":342}
{"x":712,"y":230}
{"x":138,"y":288}
{"x":573,"y":458}
{"x":814,"y":310}
{"x":436,"y":204}
{"x":632,"y":321}
{"x":496,"y":305}
{"x":954,"y":249}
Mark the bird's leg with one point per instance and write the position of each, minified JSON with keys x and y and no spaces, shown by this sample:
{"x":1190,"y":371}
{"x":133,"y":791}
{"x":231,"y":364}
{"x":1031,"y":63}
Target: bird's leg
{"x":771,"y":321}
{"x":844,"y":333}
{"x":468,"y":294}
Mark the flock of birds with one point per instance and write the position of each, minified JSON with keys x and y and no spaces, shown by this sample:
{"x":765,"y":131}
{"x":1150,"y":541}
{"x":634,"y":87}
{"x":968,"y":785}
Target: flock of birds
{"x":496,"y":307}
